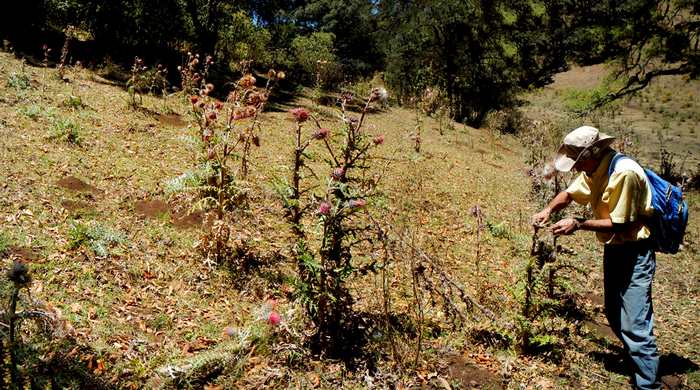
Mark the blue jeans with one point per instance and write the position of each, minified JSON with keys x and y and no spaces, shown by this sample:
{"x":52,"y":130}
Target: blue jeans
{"x":629,"y":270}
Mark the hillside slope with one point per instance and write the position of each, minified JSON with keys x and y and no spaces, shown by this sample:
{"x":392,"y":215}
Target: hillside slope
{"x":116,"y":254}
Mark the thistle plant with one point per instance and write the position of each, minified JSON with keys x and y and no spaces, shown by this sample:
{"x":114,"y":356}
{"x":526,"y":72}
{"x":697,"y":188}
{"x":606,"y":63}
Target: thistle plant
{"x":135,"y":83}
{"x":193,"y":74}
{"x":340,"y":203}
{"x":227,"y":131}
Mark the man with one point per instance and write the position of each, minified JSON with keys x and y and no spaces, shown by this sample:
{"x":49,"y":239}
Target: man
{"x":619,"y":203}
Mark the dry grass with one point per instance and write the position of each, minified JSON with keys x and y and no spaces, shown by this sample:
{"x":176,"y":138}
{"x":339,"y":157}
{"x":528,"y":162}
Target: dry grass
{"x":152,"y":304}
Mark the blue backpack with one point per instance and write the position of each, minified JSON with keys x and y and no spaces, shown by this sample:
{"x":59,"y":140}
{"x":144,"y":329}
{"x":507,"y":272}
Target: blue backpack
{"x":670,"y":218}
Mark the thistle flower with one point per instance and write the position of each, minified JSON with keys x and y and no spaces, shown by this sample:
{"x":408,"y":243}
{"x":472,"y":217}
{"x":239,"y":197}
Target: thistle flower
{"x":19,"y":274}
{"x":247,"y":81}
{"x":211,"y":115}
{"x":256,"y":98}
{"x":194,"y":99}
{"x":324,"y":208}
{"x":300,"y":114}
{"x":321,"y":133}
{"x":357,"y":203}
{"x":243,"y":113}
{"x":378,"y":140}
{"x":274,"y":318}
{"x":229,"y":331}
{"x":338,"y":173}
{"x":219,"y":105}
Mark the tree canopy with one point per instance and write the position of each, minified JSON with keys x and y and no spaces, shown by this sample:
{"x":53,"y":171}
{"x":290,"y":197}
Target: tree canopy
{"x":478,"y":54}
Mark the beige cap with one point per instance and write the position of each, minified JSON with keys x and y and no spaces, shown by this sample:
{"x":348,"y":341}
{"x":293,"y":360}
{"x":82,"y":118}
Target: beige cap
{"x":576,"y":143}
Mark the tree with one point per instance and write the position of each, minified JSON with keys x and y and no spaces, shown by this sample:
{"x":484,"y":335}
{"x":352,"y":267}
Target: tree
{"x":646,"y":38}
{"x":480,"y":53}
{"x":354,"y":24}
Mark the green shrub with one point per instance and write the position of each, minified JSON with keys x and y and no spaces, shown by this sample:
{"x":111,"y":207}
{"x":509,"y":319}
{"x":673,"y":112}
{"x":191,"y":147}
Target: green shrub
{"x":19,"y":81}
{"x":32,"y":111}
{"x":315,"y":49}
{"x":66,"y":130}
{"x":499,"y":230}
{"x":4,"y":243}
{"x":73,"y":101}
{"x":95,"y":237}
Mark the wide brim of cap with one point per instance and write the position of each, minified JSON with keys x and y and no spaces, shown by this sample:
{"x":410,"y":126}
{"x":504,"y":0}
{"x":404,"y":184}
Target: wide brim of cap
{"x":564,"y":163}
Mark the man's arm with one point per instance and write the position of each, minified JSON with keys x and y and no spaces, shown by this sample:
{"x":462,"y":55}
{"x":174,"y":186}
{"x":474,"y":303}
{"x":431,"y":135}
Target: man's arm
{"x":604,"y":225}
{"x":559,"y":202}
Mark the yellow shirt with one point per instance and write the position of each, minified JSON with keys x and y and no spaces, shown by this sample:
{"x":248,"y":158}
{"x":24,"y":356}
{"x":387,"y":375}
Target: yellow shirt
{"x":626,"y":195}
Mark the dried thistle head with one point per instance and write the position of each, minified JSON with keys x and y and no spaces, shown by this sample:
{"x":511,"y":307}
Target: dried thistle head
{"x":247,"y":81}
{"x":19,"y":274}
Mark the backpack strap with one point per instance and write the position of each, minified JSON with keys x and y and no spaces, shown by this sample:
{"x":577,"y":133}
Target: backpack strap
{"x":617,"y":157}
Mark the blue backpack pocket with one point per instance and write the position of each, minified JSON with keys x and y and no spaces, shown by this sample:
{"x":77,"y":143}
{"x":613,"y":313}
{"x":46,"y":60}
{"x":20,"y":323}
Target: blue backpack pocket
{"x":670,"y":218}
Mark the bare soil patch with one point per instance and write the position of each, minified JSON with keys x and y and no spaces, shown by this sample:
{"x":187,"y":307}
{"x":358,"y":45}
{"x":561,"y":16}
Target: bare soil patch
{"x":151,"y":208}
{"x":74,"y":184}
{"x":188,"y":221}
{"x":671,"y":382}
{"x":471,"y":376}
{"x":24,"y":253}
{"x":602,"y":331}
{"x":174,"y":120}
{"x":75,"y":205}
{"x":157,"y":208}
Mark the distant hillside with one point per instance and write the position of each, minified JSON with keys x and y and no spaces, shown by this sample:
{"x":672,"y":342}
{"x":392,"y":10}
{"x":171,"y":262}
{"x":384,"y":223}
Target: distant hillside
{"x":666,"y":113}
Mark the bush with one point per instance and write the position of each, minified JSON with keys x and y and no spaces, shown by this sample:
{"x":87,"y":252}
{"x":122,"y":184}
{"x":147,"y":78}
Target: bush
{"x":507,"y":121}
{"x":94,"y":236}
{"x":315,"y":49}
{"x":64,"y":129}
{"x":19,"y":81}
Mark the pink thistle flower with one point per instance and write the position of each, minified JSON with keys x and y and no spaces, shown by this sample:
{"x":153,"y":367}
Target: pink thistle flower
{"x":378,"y":140}
{"x":219,"y":105}
{"x":324,"y":208}
{"x":357,"y":203}
{"x":274,"y":318}
{"x":194,"y":99}
{"x":300,"y":114}
{"x":211,"y":115}
{"x":321,"y":133}
{"x":338,"y":173}
{"x":229,"y":331}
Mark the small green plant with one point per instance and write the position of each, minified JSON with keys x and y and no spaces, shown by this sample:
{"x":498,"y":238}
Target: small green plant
{"x":94,"y":236}
{"x":74,"y":102}
{"x":19,"y":80}
{"x":4,"y":243}
{"x":499,"y":230}
{"x":65,"y":129}
{"x":32,"y":111}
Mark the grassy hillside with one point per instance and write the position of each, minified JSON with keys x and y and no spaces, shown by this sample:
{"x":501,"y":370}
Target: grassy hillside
{"x":85,"y":201}
{"x":664,"y":115}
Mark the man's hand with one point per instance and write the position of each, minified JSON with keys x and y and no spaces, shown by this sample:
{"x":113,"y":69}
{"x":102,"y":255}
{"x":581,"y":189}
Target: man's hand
{"x":539,"y":219}
{"x":565,"y":227}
